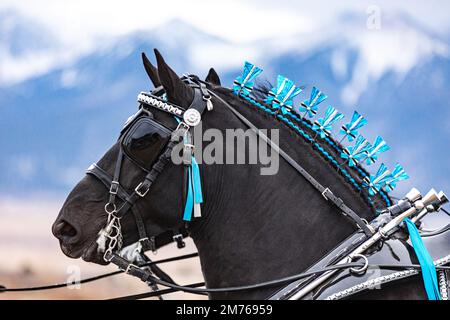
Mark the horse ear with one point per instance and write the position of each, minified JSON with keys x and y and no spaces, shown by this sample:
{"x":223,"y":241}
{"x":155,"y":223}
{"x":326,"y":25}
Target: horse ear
{"x":213,"y":77}
{"x":151,"y":71}
{"x":177,"y":91}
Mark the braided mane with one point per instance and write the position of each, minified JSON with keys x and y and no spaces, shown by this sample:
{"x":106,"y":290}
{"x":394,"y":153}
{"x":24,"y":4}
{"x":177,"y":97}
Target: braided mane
{"x":328,"y":148}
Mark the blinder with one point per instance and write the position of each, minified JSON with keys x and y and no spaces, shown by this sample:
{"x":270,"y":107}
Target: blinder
{"x":144,"y":141}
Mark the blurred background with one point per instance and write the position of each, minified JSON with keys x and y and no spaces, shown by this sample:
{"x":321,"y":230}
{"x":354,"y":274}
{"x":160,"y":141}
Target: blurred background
{"x":70,"y":72}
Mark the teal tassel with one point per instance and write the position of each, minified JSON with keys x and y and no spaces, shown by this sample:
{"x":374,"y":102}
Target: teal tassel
{"x":323,"y":125}
{"x":194,"y":194}
{"x":187,"y":216}
{"x":310,"y":105}
{"x":426,"y":262}
{"x":197,"y":185}
{"x":244,"y":83}
{"x":398,"y":174}
{"x":378,"y":147}
{"x":375,"y":182}
{"x":281,"y":97}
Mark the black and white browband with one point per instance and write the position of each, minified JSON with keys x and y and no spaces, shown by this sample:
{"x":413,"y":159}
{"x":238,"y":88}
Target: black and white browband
{"x":158,"y":103}
{"x":155,"y":100}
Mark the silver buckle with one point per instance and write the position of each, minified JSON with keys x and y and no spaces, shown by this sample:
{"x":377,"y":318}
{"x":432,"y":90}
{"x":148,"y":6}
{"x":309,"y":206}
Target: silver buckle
{"x":138,"y":192}
{"x":180,"y":131}
{"x":182,"y":124}
{"x":114,"y":187}
{"x":152,"y":244}
{"x":325,"y":191}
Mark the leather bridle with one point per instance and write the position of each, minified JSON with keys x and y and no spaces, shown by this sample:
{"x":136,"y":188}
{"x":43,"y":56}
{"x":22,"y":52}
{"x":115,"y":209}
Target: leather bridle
{"x":112,"y":231}
{"x":112,"y":235}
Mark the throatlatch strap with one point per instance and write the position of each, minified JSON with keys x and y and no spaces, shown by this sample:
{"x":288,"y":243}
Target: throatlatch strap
{"x":426,"y":262}
{"x":338,"y":202}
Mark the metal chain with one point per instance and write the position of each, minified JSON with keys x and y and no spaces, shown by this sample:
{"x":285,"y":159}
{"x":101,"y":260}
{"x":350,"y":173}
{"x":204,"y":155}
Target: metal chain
{"x":114,"y":234}
{"x":111,"y":235}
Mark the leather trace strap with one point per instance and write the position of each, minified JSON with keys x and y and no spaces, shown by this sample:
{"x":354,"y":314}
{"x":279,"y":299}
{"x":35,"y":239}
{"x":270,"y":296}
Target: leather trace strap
{"x":326,"y":192}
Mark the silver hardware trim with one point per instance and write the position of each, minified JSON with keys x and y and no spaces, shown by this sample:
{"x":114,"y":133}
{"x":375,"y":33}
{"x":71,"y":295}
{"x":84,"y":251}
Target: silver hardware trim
{"x":385,"y":279}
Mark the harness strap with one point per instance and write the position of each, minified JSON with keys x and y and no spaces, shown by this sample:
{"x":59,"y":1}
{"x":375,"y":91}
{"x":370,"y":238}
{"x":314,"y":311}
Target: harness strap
{"x":326,"y":192}
{"x":146,"y":242}
{"x":130,"y":268}
{"x":198,"y":103}
{"x":115,"y":183}
{"x":106,"y":179}
{"x":141,"y":190}
{"x":156,"y":269}
{"x":153,"y":243}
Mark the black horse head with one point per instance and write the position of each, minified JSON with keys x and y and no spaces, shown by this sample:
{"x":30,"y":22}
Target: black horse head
{"x":246,"y":217}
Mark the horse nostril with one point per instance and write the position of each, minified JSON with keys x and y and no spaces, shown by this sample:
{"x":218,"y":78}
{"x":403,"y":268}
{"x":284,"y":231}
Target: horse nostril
{"x":64,"y":231}
{"x":68,"y":230}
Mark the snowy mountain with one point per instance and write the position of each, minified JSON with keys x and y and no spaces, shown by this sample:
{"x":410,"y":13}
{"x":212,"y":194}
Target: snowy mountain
{"x":65,"y":115}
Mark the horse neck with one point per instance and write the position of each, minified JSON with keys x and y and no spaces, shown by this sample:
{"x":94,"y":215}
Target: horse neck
{"x":257,"y":228}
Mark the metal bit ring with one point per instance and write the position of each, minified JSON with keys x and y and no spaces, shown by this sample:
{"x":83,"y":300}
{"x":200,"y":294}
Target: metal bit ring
{"x":362,"y":269}
{"x":113,"y":208}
